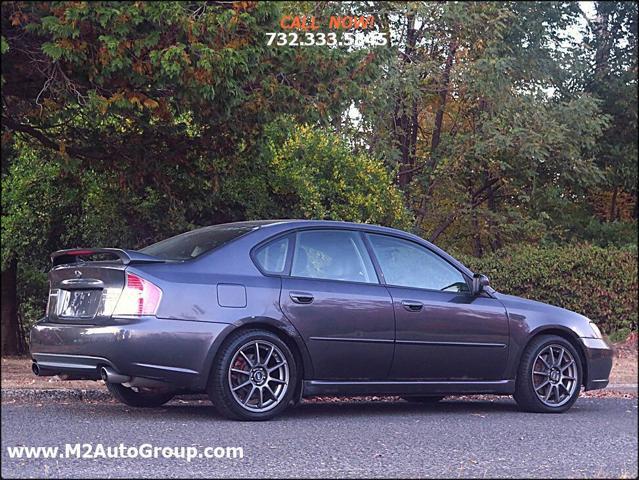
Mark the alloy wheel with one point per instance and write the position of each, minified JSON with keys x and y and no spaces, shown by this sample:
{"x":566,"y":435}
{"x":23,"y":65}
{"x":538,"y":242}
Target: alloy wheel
{"x":554,"y":375}
{"x":258,"y":376}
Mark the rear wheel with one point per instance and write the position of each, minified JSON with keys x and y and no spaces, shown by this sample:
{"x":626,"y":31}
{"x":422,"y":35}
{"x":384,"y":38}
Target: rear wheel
{"x":424,"y":399}
{"x":253,"y":377}
{"x":549,"y":377}
{"x":139,"y":397}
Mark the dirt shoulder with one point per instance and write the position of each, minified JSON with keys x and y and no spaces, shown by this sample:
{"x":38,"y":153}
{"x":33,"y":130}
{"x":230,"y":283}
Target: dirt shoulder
{"x":624,"y":367}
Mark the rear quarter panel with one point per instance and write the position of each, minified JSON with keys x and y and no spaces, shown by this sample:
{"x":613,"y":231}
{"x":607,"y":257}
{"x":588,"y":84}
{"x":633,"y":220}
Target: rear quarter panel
{"x":223,"y":287}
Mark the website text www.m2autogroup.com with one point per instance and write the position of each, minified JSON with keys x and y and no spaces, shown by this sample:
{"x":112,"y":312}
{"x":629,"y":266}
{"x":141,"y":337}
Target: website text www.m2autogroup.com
{"x":91,"y":451}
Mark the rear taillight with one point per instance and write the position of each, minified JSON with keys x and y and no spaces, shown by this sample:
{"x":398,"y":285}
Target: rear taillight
{"x":52,"y":293}
{"x":139,"y":297}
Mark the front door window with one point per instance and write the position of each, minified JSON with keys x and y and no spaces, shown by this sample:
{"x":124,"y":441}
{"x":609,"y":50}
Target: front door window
{"x":407,"y":264}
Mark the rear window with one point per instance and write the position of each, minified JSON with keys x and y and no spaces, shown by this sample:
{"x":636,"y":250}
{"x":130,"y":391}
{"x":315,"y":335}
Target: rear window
{"x":197,"y":242}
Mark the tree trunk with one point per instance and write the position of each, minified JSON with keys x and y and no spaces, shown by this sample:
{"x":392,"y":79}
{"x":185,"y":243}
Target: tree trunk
{"x":477,"y":248}
{"x":9,"y":320}
{"x":496,"y":243}
{"x":474,"y":221}
{"x":612,"y":213}
{"x":603,"y":35}
{"x":437,"y":130}
{"x":443,"y":96}
{"x":405,"y":123}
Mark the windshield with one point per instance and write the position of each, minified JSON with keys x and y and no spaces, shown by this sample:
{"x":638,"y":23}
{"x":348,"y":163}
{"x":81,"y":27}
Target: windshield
{"x":196,"y":242}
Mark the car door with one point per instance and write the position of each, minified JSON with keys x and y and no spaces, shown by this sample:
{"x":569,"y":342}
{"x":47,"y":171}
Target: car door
{"x":334,"y":299}
{"x":443,"y":332}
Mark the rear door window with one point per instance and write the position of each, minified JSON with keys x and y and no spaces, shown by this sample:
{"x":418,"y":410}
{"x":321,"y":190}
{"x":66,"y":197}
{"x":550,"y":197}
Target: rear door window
{"x":332,"y":255}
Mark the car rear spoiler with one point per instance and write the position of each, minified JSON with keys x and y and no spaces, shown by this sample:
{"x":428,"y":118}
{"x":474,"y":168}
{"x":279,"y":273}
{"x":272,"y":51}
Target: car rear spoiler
{"x":62,"y":257}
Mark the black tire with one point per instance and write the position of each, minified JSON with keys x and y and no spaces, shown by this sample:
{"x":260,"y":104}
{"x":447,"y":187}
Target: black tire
{"x":525,"y":394}
{"x":424,"y":399}
{"x":219,"y":387}
{"x":142,"y":398}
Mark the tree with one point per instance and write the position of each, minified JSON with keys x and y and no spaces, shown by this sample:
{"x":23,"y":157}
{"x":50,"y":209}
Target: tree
{"x":40,"y":210}
{"x":612,"y":77}
{"x":468,"y":112}
{"x":144,"y":116}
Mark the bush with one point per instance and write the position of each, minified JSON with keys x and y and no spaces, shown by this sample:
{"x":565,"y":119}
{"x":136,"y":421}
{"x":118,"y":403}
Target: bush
{"x":302,"y":171}
{"x":600,"y":283}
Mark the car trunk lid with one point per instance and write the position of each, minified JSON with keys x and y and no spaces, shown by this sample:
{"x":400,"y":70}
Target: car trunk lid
{"x":86,"y":284}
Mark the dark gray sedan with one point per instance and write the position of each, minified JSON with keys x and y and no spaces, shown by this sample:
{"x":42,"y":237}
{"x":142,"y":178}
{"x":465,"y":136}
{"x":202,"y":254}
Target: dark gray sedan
{"x":260,"y":314}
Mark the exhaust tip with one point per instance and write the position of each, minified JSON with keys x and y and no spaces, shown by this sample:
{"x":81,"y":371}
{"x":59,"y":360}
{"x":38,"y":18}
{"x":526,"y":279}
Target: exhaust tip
{"x":35,"y":369}
{"x":111,"y":376}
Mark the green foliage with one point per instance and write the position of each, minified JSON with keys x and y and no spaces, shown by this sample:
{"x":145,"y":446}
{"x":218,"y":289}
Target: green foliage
{"x":610,"y":233}
{"x":611,"y":77}
{"x":620,"y":335}
{"x":491,"y":112}
{"x":600,"y":283}
{"x":32,"y":296}
{"x":156,"y":109}
{"x":37,"y":200}
{"x":309,"y":173}
{"x":529,"y":155}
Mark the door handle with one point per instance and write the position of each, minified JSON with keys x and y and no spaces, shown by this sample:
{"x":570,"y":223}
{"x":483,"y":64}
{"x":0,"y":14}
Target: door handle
{"x":412,"y":305}
{"x":301,"y":297}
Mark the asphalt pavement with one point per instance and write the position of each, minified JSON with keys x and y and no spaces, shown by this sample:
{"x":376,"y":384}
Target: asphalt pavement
{"x":456,"y":438}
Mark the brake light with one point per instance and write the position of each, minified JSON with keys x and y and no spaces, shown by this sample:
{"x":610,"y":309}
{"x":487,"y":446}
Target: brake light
{"x":139,"y":297}
{"x":52,"y":293}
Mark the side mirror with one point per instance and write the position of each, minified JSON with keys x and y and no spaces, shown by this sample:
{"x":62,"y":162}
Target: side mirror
{"x":480,"y":282}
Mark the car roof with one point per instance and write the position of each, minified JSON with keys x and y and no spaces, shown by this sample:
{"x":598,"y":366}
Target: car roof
{"x":283,"y":225}
{"x":295,"y":223}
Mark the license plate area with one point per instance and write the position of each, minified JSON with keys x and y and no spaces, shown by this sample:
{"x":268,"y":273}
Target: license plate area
{"x":79,"y":303}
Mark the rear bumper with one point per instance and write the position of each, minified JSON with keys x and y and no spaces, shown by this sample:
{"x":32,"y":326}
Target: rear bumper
{"x":178,"y":352}
{"x":599,"y":355}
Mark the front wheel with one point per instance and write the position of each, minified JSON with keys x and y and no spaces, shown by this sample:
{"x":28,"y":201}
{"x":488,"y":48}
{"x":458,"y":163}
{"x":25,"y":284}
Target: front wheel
{"x":139,"y":397}
{"x":549,"y":377}
{"x":253,"y":377}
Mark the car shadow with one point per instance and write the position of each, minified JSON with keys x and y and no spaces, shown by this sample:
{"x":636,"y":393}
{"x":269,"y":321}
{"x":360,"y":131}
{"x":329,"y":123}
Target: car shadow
{"x":203,"y":410}
{"x":400,"y":408}
{"x":185,"y":409}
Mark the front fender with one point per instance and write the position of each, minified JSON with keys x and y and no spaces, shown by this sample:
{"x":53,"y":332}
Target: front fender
{"x":528,"y":318}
